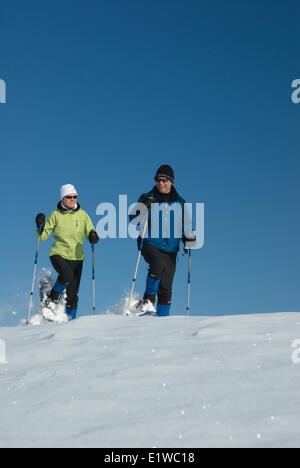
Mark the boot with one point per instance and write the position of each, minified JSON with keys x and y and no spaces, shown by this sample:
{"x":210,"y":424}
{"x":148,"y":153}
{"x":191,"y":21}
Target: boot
{"x":163,"y":310}
{"x":145,"y":307}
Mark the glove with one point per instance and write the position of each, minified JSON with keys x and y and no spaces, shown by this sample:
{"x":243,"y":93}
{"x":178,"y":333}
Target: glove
{"x":148,"y":201}
{"x":189,"y":238}
{"x":93,"y":237}
{"x":40,"y":221}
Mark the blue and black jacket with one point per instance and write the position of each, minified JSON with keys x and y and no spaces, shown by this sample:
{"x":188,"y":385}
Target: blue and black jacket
{"x":171,"y":209}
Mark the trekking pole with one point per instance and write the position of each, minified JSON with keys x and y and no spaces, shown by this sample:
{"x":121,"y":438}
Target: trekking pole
{"x":94,"y":279}
{"x":189,"y":283}
{"x":34,"y":276}
{"x":138,"y":262}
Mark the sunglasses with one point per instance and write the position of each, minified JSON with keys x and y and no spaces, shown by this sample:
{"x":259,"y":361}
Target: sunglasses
{"x":70,"y":197}
{"x":163,"y":180}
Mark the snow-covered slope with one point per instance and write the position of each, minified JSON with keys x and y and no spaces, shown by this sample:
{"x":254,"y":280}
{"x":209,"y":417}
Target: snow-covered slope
{"x":110,"y":381}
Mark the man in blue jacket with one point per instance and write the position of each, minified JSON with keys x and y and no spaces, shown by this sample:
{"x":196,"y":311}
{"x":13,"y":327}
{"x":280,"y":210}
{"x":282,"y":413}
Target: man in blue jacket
{"x":161,"y":244}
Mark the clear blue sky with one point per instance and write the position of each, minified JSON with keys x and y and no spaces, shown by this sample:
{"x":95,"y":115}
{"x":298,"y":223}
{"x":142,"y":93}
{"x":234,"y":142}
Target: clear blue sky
{"x":100,"y":93}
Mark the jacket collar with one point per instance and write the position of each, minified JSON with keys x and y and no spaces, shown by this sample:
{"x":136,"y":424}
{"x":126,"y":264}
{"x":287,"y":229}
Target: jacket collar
{"x":171,"y":197}
{"x":60,"y":207}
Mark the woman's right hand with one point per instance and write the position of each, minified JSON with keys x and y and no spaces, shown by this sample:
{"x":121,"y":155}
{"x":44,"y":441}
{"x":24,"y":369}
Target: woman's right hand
{"x":40,"y":221}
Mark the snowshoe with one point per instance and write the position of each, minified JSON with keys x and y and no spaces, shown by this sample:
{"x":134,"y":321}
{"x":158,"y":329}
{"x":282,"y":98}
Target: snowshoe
{"x":51,"y":310}
{"x":145,"y":307}
{"x":46,"y":285}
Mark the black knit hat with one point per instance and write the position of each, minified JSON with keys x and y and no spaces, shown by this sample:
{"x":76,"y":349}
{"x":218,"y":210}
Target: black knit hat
{"x":165,"y":171}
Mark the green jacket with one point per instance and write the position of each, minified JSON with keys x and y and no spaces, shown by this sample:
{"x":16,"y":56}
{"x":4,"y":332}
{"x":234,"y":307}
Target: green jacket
{"x":69,"y":229}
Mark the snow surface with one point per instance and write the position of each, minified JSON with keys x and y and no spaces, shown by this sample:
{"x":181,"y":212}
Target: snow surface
{"x":110,"y":381}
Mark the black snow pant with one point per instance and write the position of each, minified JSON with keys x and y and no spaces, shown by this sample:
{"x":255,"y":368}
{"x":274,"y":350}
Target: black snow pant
{"x":162,"y":265}
{"x":69,"y":272}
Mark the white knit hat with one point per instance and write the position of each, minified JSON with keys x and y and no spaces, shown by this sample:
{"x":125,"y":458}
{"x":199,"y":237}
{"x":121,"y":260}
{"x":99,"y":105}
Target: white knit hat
{"x":66,"y":190}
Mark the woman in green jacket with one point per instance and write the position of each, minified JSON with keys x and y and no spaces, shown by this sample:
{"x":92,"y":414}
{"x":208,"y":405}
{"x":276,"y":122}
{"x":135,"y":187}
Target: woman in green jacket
{"x":69,"y":225}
